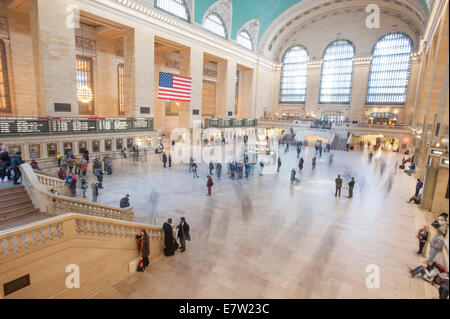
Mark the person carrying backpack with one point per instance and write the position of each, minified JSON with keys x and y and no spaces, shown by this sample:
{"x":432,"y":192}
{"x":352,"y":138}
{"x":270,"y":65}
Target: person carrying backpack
{"x":84,"y":187}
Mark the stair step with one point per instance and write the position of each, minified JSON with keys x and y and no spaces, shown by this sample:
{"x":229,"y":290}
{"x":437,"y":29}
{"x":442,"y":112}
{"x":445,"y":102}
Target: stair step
{"x":20,"y":207}
{"x":17,"y":216}
{"x":17,"y":204}
{"x":11,"y":190}
{"x":13,"y":198}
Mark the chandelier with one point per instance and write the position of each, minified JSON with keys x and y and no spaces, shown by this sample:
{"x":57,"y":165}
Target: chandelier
{"x":85,"y":94}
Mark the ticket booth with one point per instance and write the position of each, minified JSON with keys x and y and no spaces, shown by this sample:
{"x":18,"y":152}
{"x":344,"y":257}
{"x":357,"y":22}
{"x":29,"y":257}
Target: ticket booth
{"x":96,"y":146}
{"x":12,"y":149}
{"x":68,"y":148}
{"x":82,"y":146}
{"x":35,"y":151}
{"x":108,"y":145}
{"x":52,"y":149}
{"x":119,"y":144}
{"x":130,"y":143}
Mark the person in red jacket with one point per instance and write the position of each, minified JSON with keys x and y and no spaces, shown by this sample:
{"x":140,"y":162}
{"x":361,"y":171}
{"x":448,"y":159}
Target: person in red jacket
{"x":209,"y":184}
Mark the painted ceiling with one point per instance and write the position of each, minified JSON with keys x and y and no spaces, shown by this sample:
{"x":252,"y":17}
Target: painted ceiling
{"x":266,"y":11}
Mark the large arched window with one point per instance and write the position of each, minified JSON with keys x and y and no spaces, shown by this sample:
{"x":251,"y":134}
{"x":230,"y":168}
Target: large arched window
{"x":389,"y":70}
{"x":244,"y":40}
{"x":337,"y":72}
{"x":293,"y":75}
{"x":215,"y":24}
{"x":5,"y":102}
{"x":176,"y":7}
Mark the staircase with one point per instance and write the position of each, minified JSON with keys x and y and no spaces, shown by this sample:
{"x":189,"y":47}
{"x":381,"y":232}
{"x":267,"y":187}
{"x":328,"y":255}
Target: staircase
{"x":15,"y":205}
{"x":339,"y":144}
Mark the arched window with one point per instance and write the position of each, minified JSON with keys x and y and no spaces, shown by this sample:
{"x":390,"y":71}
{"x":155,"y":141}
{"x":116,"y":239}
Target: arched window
{"x":293,"y":75}
{"x":389,"y":70}
{"x":176,"y":7}
{"x":5,"y":101}
{"x":244,"y":40}
{"x":215,"y":24}
{"x":337,"y":72}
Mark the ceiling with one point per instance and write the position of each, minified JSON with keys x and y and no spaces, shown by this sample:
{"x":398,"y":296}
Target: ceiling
{"x":266,"y":11}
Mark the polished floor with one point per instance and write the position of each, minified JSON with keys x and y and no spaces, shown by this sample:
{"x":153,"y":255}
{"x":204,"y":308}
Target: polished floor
{"x":264,"y":238}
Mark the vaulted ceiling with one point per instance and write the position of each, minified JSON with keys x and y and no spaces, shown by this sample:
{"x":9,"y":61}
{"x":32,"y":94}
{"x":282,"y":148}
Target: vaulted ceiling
{"x":267,"y":11}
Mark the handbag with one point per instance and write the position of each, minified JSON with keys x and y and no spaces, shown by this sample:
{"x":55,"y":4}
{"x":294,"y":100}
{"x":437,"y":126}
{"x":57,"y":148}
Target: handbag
{"x":436,"y":224}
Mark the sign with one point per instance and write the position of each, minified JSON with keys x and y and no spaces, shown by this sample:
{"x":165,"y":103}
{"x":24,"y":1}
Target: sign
{"x":224,"y":123}
{"x":9,"y":126}
{"x":73,"y":125}
{"x":115,"y":124}
{"x":444,"y":162}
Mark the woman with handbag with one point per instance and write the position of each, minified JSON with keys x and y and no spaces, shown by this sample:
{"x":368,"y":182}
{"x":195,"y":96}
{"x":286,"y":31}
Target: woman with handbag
{"x":423,"y":237}
{"x":144,"y":246}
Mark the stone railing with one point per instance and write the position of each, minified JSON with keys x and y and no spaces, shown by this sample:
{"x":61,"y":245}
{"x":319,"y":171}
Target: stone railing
{"x":49,"y":182}
{"x":57,"y":204}
{"x":102,"y":249}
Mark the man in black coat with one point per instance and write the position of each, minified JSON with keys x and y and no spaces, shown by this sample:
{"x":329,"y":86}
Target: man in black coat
{"x":5,"y":162}
{"x":164,"y":159}
{"x":169,"y":241}
{"x":125,"y":202}
{"x":183,"y":233}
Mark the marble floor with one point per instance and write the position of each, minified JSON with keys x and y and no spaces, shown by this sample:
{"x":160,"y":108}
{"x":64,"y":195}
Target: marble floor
{"x":264,"y":238}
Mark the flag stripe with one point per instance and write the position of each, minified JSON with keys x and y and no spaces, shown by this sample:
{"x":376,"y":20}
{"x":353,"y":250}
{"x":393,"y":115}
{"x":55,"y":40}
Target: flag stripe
{"x":175,"y":95}
{"x":173,"y":87}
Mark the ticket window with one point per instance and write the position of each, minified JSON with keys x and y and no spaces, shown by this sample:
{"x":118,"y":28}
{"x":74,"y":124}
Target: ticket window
{"x":82,"y":147}
{"x":35,"y":151}
{"x":12,"y":149}
{"x":68,"y":148}
{"x":130,"y":143}
{"x":119,"y":144}
{"x":148,"y":142}
{"x":140,"y":142}
{"x":95,"y":146}
{"x":108,"y":145}
{"x":52,"y":149}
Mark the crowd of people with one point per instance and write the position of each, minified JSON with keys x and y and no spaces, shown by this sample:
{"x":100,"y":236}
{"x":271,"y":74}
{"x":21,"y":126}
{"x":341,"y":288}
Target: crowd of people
{"x":9,"y":166}
{"x":431,"y":270}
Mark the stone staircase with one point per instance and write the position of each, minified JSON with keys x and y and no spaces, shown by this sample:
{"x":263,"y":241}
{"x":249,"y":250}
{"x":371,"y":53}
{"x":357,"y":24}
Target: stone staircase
{"x":15,"y":205}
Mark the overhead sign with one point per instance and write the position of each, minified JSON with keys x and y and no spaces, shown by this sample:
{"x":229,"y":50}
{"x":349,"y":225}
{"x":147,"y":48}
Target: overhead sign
{"x":10,"y":126}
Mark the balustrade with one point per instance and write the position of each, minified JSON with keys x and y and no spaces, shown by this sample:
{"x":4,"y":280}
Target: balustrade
{"x":16,"y":242}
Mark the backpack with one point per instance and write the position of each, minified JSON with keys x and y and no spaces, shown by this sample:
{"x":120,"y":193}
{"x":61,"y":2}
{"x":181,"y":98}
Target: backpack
{"x":140,"y":266}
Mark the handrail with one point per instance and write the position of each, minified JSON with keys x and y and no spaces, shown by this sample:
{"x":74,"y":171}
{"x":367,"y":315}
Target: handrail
{"x":47,"y":201}
{"x":49,"y":181}
{"x":21,"y":240}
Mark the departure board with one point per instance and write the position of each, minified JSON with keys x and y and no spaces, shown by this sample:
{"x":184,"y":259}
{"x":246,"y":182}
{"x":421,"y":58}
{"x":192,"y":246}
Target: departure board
{"x":73,"y":125}
{"x":23,"y":126}
{"x":10,"y":126}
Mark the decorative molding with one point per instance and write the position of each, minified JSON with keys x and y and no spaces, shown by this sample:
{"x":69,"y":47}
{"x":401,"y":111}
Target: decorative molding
{"x":252,"y":27}
{"x":209,"y":73}
{"x":172,"y":64}
{"x":223,"y":8}
{"x":86,"y":45}
{"x":305,"y":8}
{"x":4,"y":30}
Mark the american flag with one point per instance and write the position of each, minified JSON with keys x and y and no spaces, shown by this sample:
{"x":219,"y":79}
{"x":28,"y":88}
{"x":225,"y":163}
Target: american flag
{"x":174,"y":87}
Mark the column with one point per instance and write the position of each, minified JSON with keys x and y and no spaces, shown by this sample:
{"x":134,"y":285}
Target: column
{"x":312,"y":88}
{"x":105,"y":84}
{"x":225,"y":88}
{"x":144,"y":70}
{"x":359,"y":88}
{"x":191,"y":65}
{"x":129,"y":73}
{"x":54,"y":56}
